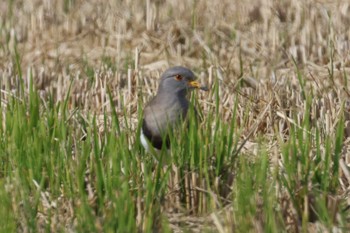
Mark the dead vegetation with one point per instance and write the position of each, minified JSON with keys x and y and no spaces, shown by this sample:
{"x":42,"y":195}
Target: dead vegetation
{"x":256,"y":50}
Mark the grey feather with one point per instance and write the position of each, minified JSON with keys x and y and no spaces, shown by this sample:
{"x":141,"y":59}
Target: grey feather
{"x":169,"y":107}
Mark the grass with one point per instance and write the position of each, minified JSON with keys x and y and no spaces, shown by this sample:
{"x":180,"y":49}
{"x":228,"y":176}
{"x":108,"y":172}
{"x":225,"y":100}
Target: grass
{"x":269,"y":153}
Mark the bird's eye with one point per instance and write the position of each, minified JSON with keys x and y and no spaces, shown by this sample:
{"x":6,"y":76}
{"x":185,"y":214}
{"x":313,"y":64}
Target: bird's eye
{"x":178,"y":77}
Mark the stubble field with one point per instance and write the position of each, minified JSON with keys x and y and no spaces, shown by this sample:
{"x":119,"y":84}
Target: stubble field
{"x":270,"y":154}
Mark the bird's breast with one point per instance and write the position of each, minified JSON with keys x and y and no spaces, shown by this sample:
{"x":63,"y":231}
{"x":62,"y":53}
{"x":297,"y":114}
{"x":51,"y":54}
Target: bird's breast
{"x":160,"y":117}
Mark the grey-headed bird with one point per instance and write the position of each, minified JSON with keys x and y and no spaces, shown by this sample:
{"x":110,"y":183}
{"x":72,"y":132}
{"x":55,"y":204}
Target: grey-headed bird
{"x":168,"y":108}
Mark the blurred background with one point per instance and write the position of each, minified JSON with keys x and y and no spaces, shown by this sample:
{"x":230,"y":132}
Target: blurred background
{"x":60,"y":41}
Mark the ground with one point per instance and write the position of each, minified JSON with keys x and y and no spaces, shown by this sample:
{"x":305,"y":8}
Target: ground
{"x":270,"y":153}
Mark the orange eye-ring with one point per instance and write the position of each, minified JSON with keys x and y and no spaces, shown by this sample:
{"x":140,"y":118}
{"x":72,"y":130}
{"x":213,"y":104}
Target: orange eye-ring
{"x":178,"y":77}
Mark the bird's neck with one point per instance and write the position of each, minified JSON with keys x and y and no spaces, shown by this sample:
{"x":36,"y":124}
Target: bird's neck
{"x":171,"y":93}
{"x":174,"y":98}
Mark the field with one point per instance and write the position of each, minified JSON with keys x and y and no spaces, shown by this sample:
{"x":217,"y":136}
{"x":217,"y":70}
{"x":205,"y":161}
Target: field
{"x":270,"y":153}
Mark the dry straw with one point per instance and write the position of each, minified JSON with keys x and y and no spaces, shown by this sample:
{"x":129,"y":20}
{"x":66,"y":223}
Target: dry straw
{"x":254,"y":50}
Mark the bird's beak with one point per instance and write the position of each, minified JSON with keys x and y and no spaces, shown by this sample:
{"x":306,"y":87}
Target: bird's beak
{"x":196,"y":84}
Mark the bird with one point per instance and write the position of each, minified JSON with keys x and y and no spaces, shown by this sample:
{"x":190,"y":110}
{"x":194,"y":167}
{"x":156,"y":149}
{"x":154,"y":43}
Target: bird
{"x":168,"y":108}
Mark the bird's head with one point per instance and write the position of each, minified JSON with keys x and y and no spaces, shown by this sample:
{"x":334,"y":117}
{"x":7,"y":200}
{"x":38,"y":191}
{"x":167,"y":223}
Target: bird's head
{"x":178,"y":80}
